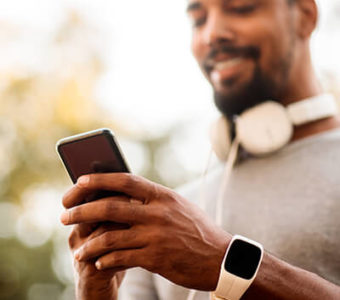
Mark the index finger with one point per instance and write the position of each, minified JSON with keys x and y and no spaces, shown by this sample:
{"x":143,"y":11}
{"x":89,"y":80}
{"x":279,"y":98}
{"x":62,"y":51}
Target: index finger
{"x":132,"y":185}
{"x":81,"y":194}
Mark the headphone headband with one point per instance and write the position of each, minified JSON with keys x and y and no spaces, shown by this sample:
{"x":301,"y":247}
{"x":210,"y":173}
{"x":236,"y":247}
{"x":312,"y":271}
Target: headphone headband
{"x":268,"y":127}
{"x":312,"y":109}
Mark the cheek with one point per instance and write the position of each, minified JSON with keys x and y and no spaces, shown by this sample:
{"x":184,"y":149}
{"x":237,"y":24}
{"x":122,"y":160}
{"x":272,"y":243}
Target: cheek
{"x":200,"y":52}
{"x":273,"y":38}
{"x":274,"y":53}
{"x":198,"y":49}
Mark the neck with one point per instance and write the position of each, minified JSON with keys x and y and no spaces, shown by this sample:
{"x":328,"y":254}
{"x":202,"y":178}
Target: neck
{"x":304,"y":84}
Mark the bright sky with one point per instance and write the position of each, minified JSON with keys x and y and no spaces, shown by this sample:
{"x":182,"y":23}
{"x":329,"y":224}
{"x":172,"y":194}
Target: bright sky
{"x":151,"y":77}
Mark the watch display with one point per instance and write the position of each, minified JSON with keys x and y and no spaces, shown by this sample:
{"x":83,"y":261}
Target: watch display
{"x":243,"y":259}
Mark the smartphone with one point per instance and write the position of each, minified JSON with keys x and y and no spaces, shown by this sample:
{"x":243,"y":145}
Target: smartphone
{"x":95,"y":151}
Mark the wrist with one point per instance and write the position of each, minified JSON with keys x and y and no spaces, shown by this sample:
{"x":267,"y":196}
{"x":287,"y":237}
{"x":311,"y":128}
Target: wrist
{"x":222,"y":242}
{"x":92,"y":288}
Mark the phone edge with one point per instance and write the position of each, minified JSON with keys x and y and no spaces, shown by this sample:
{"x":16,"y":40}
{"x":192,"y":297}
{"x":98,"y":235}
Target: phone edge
{"x":88,"y":134}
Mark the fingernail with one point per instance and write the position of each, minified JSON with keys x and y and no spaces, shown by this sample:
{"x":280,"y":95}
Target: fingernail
{"x":64,"y":217}
{"x":83,"y":180}
{"x":99,"y":265}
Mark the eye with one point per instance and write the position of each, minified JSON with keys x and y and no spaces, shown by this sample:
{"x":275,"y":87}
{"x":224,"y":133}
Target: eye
{"x":197,"y":18}
{"x":198,"y":22}
{"x":197,"y":14}
{"x":244,"y":9}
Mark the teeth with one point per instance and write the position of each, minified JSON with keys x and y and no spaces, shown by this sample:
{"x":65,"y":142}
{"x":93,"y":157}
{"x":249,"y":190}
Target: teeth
{"x":215,"y":77}
{"x":227,"y":64}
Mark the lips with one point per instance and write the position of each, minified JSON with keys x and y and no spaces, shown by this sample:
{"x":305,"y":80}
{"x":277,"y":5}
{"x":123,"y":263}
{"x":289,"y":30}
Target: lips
{"x":224,"y":69}
{"x":224,"y":61}
{"x":222,"y":65}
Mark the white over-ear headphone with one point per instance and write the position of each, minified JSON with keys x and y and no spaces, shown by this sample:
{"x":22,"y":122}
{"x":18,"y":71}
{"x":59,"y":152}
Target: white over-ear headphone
{"x":268,"y":127}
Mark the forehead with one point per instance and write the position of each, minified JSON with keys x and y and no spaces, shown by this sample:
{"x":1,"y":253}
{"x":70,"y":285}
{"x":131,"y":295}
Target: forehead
{"x":214,"y":1}
{"x":193,"y":5}
{"x":223,"y":2}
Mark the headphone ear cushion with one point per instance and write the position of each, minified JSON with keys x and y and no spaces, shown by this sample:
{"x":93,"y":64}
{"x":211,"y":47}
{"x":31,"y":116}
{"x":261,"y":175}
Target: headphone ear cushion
{"x":264,"y":129}
{"x":220,"y":138}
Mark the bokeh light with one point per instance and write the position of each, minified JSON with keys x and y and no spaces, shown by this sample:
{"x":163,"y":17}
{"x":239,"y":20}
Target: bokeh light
{"x":9,"y":214}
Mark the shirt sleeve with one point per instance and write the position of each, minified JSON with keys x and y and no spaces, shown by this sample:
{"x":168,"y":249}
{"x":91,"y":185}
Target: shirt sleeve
{"x":138,"y":284}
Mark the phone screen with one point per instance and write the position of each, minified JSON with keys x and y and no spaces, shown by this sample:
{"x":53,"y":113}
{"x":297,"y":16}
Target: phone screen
{"x":93,"y":154}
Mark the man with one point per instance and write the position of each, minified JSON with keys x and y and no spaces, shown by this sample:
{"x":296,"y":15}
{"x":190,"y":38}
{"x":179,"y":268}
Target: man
{"x":250,"y":51}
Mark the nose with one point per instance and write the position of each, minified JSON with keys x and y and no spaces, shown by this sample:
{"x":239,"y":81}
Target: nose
{"x":218,"y":29}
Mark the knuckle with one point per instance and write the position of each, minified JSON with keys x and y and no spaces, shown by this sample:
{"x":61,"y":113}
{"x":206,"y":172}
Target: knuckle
{"x":170,"y":197}
{"x":72,"y":240}
{"x":119,"y":259}
{"x":157,"y":237}
{"x":85,"y":183}
{"x":166,"y":216}
{"x":162,"y":215}
{"x":155,"y":190}
{"x":135,"y":212}
{"x":107,"y":240}
{"x":91,"y":180}
{"x":109,"y":207}
{"x":129,"y":181}
{"x":85,"y":249}
{"x":74,"y":214}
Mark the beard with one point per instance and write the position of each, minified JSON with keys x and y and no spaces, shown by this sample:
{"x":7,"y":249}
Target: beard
{"x":260,"y":88}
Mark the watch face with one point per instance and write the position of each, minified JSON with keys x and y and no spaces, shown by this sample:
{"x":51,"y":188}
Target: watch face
{"x":242,"y":259}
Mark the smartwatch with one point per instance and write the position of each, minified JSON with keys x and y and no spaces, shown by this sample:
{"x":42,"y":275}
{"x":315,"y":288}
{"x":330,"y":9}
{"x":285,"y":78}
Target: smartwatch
{"x":239,"y":268}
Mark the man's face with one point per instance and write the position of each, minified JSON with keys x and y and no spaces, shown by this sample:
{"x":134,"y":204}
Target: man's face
{"x":245,"y":48}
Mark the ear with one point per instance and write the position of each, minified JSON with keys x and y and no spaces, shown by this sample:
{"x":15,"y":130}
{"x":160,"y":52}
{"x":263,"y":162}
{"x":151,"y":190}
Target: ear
{"x":307,"y":17}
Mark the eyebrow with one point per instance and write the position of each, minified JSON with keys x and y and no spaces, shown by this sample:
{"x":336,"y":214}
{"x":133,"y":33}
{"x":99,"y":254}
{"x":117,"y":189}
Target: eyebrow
{"x":193,"y":6}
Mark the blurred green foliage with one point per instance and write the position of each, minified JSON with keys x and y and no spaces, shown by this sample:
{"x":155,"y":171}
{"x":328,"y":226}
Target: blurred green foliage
{"x":21,"y":267}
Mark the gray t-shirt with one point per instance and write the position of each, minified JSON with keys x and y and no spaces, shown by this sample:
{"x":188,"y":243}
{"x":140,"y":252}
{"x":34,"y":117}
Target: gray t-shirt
{"x":289,"y":202}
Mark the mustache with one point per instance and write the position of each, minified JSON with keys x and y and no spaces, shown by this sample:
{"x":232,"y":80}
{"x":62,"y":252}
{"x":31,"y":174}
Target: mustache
{"x":246,"y":51}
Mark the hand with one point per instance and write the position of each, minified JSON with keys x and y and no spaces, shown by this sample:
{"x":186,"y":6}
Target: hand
{"x":167,"y":235}
{"x":92,"y":283}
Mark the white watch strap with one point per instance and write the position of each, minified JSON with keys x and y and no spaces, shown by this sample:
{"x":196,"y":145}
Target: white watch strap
{"x":231,"y":287}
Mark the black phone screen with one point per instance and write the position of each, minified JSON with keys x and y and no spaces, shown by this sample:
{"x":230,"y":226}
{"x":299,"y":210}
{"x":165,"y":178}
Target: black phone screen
{"x":93,"y":154}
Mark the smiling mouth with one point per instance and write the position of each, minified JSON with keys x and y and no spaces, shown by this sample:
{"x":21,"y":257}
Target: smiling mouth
{"x":226,"y":64}
{"x":226,"y":58}
{"x":222,"y":64}
{"x":224,"y":69}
